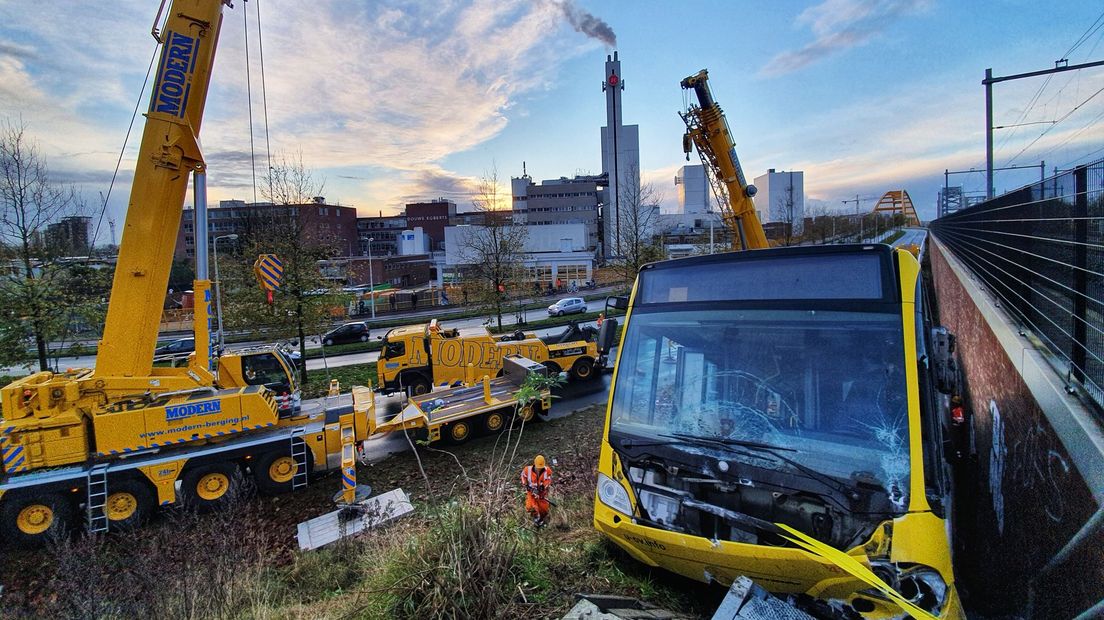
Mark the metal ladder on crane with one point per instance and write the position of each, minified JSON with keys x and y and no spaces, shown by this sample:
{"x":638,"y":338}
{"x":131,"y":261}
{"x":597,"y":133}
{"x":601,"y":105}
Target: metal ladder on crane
{"x":299,"y":455}
{"x":97,"y":498}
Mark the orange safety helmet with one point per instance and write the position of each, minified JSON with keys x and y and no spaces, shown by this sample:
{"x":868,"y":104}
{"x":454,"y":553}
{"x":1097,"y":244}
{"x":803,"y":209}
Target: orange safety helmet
{"x":538,"y":462}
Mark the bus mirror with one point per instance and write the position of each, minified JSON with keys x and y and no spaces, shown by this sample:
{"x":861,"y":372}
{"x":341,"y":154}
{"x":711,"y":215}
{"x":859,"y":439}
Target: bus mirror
{"x":944,"y":367}
{"x":617,"y":303}
{"x":606,"y":334}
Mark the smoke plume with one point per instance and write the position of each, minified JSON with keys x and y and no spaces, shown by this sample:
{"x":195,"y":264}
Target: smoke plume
{"x":587,"y":24}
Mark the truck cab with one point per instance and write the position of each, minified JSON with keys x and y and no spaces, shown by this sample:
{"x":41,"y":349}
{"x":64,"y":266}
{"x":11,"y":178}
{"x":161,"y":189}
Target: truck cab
{"x":419,"y":357}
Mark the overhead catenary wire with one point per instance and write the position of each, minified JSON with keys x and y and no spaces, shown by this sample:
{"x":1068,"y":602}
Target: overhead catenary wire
{"x":1055,"y":124}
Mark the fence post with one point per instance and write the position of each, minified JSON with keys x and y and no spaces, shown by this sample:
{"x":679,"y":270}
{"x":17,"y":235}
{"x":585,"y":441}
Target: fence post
{"x":1080,"y":272}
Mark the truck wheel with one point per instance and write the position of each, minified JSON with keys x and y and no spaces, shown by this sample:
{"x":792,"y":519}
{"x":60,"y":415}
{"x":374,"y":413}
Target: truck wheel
{"x":210,"y":487}
{"x":417,"y":383}
{"x":29,"y":521}
{"x":129,"y":503}
{"x":274,"y":471}
{"x":553,"y":368}
{"x":458,"y":432}
{"x":493,"y":422}
{"x":583,"y":369}
{"x":528,"y":413}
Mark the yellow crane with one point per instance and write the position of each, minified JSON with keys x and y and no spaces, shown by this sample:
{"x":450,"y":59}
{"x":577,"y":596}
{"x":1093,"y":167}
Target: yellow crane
{"x":707,"y":130}
{"x":116,"y":440}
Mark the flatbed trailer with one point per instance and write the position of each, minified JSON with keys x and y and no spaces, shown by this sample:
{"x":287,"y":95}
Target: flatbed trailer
{"x":459,"y":413}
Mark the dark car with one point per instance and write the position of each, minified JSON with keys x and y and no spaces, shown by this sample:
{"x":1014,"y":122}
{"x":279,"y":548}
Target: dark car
{"x":349,"y":332}
{"x":176,"y":347}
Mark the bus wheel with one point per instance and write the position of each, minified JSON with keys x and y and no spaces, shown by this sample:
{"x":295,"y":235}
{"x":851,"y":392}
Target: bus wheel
{"x":417,"y":383}
{"x":583,"y":369}
{"x":274,"y":472}
{"x":493,"y":422}
{"x":28,"y":521}
{"x":458,"y":432}
{"x":210,"y":487}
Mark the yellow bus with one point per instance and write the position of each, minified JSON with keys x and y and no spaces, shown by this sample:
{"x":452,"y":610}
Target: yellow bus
{"x":799,"y":386}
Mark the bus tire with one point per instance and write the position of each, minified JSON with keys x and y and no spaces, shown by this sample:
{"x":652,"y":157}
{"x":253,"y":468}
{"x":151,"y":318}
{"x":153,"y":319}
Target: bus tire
{"x":583,"y":369}
{"x":29,"y":520}
{"x":274,"y":471}
{"x":130,"y":502}
{"x":211,"y":487}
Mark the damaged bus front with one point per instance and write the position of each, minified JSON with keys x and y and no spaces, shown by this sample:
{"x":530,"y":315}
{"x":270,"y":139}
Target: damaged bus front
{"x":793,"y":386}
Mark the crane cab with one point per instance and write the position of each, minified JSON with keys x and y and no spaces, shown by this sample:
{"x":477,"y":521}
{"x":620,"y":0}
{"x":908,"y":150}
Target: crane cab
{"x":271,"y":366}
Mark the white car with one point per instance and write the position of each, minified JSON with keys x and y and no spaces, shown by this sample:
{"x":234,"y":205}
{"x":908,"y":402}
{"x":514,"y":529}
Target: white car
{"x":567,"y":305}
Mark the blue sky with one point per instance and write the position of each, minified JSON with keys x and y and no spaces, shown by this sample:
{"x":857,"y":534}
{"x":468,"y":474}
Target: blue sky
{"x":394,"y":100}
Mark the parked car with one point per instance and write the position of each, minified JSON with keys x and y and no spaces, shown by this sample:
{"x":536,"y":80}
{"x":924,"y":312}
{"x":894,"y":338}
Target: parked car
{"x":349,"y":332}
{"x":176,"y":347}
{"x":567,"y":305}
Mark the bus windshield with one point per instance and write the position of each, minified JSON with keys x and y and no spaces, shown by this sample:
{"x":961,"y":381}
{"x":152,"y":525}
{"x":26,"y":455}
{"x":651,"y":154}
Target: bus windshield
{"x":828,"y":385}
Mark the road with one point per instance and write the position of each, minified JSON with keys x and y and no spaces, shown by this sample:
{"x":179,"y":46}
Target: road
{"x":89,"y":361}
{"x":912,"y":235}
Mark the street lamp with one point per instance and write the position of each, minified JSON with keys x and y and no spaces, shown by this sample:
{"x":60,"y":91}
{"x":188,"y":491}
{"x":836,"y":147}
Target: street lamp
{"x":371,"y":280}
{"x":218,"y":291}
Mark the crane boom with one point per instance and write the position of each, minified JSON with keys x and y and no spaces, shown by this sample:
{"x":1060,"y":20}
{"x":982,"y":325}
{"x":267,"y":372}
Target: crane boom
{"x":169,"y":152}
{"x":707,"y":129}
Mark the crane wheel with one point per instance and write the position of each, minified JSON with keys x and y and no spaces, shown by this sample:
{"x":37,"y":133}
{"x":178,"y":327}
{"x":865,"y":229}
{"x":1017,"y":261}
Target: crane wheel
{"x":129,"y":503}
{"x":210,"y":487}
{"x":583,"y":369}
{"x":275,"y":471}
{"x":459,"y":432}
{"x":28,"y":521}
{"x":493,"y":422}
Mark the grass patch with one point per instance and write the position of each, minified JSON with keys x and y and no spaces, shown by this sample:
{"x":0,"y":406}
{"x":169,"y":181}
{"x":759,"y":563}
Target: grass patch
{"x":318,"y":381}
{"x":345,"y":349}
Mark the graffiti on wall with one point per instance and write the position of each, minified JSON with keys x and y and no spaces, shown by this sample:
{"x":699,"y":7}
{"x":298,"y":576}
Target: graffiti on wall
{"x":996,"y":465}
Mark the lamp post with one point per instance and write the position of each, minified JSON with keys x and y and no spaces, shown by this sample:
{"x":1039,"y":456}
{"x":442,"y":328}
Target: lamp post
{"x":371,"y":279}
{"x":218,"y":291}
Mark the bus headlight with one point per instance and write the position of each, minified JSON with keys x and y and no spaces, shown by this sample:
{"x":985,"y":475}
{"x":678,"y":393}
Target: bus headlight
{"x":924,"y":587}
{"x":612,"y":494}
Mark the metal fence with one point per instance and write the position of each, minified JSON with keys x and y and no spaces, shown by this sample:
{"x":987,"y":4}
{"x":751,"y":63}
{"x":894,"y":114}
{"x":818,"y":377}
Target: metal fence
{"x":1040,"y":249}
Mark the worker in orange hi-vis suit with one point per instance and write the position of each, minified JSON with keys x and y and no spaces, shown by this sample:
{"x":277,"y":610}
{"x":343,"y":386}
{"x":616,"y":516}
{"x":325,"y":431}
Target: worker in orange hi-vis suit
{"x":536,"y":479}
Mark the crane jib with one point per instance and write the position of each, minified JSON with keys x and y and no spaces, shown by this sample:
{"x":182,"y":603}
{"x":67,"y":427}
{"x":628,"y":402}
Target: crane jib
{"x":174,"y":76}
{"x":736,"y":166}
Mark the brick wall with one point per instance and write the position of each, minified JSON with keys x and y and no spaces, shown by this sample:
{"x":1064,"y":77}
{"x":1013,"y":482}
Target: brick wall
{"x":1024,"y":499}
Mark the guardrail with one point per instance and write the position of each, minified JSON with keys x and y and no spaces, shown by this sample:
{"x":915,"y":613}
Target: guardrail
{"x":1040,"y":250}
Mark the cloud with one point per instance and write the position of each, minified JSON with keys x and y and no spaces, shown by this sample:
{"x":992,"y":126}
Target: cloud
{"x":382,"y":91}
{"x":840,"y":25}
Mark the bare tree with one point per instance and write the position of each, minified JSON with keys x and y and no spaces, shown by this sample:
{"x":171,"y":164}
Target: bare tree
{"x":30,"y":289}
{"x":634,"y":234}
{"x":303,"y":302}
{"x":494,"y":252}
{"x":289,"y":182}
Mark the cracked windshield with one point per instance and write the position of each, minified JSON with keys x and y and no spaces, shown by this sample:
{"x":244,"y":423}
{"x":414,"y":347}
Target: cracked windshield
{"x":829,"y":385}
